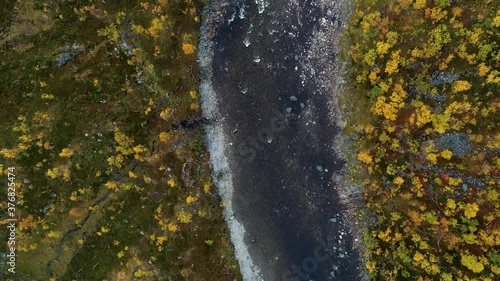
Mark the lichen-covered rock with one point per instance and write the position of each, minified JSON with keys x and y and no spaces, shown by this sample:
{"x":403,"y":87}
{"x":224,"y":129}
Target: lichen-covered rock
{"x":458,"y":143}
{"x":443,"y":77}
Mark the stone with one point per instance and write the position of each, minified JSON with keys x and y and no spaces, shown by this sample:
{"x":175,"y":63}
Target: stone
{"x":443,"y":77}
{"x":458,"y":143}
{"x":336,"y":24}
{"x":64,"y":58}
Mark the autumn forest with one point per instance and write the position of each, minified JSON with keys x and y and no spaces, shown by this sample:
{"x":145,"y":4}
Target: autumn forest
{"x":429,"y":72}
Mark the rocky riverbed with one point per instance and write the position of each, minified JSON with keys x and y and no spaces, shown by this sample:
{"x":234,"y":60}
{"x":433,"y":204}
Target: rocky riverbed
{"x":270,"y":83}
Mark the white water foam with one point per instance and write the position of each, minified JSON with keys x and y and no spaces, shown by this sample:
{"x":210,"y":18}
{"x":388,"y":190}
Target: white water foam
{"x":262,"y":5}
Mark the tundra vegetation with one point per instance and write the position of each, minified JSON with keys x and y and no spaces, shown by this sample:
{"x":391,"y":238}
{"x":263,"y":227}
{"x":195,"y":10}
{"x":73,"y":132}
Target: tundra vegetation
{"x":108,"y":187}
{"x":424,"y":122}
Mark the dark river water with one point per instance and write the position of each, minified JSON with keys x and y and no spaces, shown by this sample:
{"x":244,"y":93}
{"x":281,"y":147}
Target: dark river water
{"x":280,"y":142}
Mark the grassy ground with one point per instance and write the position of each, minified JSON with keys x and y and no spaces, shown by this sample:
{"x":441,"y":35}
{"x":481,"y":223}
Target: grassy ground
{"x":106,"y":189}
{"x":425,"y":78}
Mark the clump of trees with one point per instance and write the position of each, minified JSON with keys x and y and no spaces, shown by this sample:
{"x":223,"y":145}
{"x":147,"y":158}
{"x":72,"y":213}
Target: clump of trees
{"x":429,"y":71}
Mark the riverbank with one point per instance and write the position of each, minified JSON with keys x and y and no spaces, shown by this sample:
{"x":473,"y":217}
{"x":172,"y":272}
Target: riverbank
{"x":424,"y":114}
{"x":109,"y":178}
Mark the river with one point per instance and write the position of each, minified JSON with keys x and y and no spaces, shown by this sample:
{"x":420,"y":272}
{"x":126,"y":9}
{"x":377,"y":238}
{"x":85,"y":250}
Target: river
{"x":272,"y":141}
